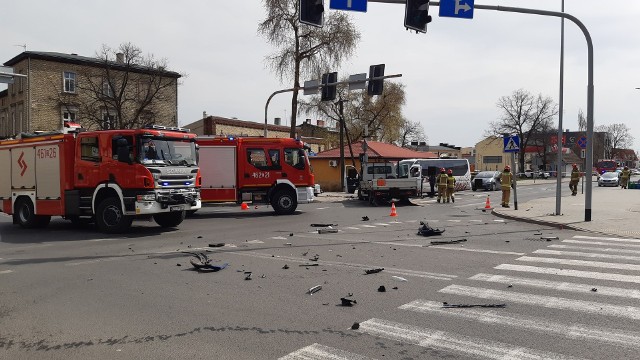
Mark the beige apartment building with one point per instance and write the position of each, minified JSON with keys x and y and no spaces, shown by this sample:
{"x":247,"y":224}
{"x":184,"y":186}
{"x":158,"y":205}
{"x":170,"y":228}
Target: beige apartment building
{"x":62,"y":88}
{"x":490,"y":155}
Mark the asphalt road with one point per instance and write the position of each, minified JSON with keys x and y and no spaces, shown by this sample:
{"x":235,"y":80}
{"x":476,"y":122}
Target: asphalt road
{"x":70,"y":293}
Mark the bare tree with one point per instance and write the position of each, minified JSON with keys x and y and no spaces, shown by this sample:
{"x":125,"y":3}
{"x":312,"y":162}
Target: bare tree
{"x":304,"y":50}
{"x":381,"y":114}
{"x":582,"y":121}
{"x":523,"y":114}
{"x":125,"y":90}
{"x":619,"y":136}
{"x":411,"y":131}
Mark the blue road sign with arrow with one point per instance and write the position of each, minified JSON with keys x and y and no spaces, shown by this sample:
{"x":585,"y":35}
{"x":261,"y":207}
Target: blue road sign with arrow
{"x":511,"y":143}
{"x":456,"y":8}
{"x":353,"y":5}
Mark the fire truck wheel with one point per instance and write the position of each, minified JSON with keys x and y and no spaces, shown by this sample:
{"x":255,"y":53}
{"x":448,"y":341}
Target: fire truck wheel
{"x":170,"y":219}
{"x":110,"y":218}
{"x":26,"y":217}
{"x":284,"y":202}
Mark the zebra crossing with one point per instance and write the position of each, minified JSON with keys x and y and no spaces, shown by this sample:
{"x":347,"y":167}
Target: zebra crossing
{"x":560,"y":271}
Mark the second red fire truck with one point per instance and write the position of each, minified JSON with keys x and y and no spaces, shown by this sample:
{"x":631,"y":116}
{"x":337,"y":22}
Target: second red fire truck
{"x":273,"y":171}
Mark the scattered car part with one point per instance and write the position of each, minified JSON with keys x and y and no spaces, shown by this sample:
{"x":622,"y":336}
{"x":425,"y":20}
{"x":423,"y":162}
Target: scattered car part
{"x":445,"y":242}
{"x":373,"y":271}
{"x":447,"y":305}
{"x":216,"y":245}
{"x":426,"y":230}
{"x":365,"y":218}
{"x":382,"y":288}
{"x":314,"y":289}
{"x":400,"y":278}
{"x":327,"y":231}
{"x":323,"y":225}
{"x":347,"y":302}
{"x":285,"y":266}
{"x":355,"y":326}
{"x":201,"y":262}
{"x":247,"y":275}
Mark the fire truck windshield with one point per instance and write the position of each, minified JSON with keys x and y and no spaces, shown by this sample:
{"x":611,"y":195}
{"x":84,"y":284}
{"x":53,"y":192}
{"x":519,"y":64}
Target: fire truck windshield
{"x":166,"y":151}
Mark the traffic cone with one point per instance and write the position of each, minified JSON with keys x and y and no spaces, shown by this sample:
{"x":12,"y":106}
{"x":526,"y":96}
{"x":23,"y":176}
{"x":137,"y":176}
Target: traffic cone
{"x":487,"y":204}
{"x":244,"y":206}
{"x":393,"y":210}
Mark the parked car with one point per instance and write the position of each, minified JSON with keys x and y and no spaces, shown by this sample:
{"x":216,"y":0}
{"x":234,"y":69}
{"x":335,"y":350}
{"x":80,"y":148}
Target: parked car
{"x":610,"y":178}
{"x":487,"y":180}
{"x":536,"y":174}
{"x":635,"y":172}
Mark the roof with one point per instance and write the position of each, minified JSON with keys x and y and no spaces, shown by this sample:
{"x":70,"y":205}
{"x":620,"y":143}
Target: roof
{"x":624,"y":154}
{"x":376,"y":149}
{"x":82,"y":60}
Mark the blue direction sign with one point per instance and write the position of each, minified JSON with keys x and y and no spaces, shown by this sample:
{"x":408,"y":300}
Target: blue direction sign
{"x":456,"y":8}
{"x":353,"y":5}
{"x":511,"y":143}
{"x":582,"y":142}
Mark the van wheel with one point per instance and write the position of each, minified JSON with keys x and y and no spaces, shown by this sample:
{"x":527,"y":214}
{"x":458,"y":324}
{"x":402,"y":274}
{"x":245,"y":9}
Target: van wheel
{"x":110,"y":218}
{"x":284,"y":202}
{"x":170,"y":219}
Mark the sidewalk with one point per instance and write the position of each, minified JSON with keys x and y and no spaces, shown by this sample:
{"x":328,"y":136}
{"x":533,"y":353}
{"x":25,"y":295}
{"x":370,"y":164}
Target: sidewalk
{"x":614,"y":211}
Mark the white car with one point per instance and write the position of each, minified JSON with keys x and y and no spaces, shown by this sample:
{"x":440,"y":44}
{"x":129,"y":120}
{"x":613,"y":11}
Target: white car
{"x":609,"y":179}
{"x":536,"y":174}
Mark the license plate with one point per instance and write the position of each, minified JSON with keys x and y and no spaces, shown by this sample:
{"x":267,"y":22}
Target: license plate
{"x":176,"y":208}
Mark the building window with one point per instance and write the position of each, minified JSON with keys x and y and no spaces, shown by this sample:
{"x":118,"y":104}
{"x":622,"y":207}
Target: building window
{"x":69,"y":82}
{"x":106,"y":89}
{"x":21,"y":82}
{"x":108,"y":120}
{"x":69,"y":113}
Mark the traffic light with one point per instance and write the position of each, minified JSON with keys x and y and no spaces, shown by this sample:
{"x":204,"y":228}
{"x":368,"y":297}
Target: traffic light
{"x":375,"y":86}
{"x":329,"y":91}
{"x":312,"y":12}
{"x":416,"y":15}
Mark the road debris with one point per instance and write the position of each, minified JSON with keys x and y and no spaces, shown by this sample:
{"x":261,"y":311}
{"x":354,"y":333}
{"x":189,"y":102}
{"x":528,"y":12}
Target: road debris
{"x":355,"y":326}
{"x":309,"y":265}
{"x":382,"y":288}
{"x":594,"y":289}
{"x":327,"y":231}
{"x":216,"y":245}
{"x":201,"y":262}
{"x":323,"y":225}
{"x":395,"y":288}
{"x":315,"y":257}
{"x":290,"y":234}
{"x":347,"y":302}
{"x":447,"y":305}
{"x":314,"y":289}
{"x":426,"y":230}
{"x":285,"y":266}
{"x":549,"y":238}
{"x":365,"y":218}
{"x":373,"y":271}
{"x":400,"y":278}
{"x":247,"y":275}
{"x":445,"y":242}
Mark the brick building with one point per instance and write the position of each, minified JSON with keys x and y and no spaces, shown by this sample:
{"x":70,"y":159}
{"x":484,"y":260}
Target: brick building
{"x":57,"y":90}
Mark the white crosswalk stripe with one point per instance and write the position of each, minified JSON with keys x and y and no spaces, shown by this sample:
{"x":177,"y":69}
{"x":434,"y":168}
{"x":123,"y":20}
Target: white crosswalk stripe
{"x":317,"y":351}
{"x":572,"y":331}
{"x":589,"y":255}
{"x":599,"y":249}
{"x":558,"y":285}
{"x":597,"y":264}
{"x":591,"y":307}
{"x":6,"y":272}
{"x":571,"y":241}
{"x":443,"y":340}
{"x":572,"y":273}
{"x":606,"y":238}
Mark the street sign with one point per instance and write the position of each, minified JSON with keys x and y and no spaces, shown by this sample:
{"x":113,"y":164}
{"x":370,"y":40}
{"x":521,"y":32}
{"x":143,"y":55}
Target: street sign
{"x":582,"y":142}
{"x":511,"y":143}
{"x":352,"y":5}
{"x":358,"y":81}
{"x":462,"y":9}
{"x":6,"y":75}
{"x":583,"y":153}
{"x":311,"y":87}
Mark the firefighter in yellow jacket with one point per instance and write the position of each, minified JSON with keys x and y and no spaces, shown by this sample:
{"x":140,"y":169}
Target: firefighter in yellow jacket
{"x":451,"y":186}
{"x":442,"y":180}
{"x":624,"y":177}
{"x":575,"y":179}
{"x":506,"y":178}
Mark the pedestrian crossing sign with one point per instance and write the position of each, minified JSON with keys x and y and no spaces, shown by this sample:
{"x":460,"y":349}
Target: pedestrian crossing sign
{"x":511,"y":143}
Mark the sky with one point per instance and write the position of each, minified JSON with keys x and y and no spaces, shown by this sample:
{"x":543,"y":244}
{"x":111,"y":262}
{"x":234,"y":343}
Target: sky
{"x":453,"y":75}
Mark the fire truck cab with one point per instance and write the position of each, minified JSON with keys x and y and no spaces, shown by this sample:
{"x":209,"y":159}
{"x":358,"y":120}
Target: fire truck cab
{"x":273,"y":171}
{"x":108,"y":176}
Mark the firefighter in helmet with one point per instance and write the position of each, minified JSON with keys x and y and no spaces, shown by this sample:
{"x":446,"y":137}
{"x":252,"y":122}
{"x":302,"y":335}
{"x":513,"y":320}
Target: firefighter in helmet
{"x":442,"y":185}
{"x":575,"y":179}
{"x":451,"y":186}
{"x":624,"y":177}
{"x":506,"y":179}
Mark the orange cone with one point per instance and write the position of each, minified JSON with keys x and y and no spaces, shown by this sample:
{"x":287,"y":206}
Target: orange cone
{"x":487,"y":205}
{"x":244,"y":206}
{"x":393,"y":210}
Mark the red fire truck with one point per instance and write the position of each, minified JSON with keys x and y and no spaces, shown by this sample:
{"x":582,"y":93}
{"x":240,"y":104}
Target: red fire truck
{"x":260,"y":170}
{"x":109,"y":177}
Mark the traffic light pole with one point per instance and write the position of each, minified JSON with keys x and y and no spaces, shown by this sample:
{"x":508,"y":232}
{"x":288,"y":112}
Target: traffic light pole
{"x":298,"y":88}
{"x":590,"y":89}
